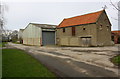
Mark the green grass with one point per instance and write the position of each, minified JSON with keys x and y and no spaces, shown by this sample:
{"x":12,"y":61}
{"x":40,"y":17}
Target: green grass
{"x":116,"y":60}
{"x":16,"y":63}
{"x":16,"y":42}
{"x":2,"y":44}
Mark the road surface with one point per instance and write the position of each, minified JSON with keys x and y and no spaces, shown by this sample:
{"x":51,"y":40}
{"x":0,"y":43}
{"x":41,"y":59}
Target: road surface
{"x":65,"y":66}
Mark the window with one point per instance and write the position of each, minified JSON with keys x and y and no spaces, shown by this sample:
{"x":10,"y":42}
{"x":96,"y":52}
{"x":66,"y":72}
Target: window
{"x":73,"y":31}
{"x":107,"y":27}
{"x":100,"y":27}
{"x":63,"y":30}
{"x":83,"y":28}
{"x":105,"y":19}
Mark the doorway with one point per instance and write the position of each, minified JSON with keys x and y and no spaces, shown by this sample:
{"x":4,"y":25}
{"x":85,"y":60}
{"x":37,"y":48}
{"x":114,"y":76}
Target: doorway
{"x":86,"y":41}
{"x":48,"y":37}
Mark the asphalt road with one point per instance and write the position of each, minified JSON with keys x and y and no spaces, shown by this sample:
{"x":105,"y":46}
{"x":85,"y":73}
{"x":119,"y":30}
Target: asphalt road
{"x":66,"y":67}
{"x":69,"y":68}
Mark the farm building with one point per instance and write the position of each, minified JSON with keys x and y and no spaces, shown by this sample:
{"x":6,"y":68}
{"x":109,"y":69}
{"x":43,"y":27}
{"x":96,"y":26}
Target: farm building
{"x":39,"y":34}
{"x":20,"y":35}
{"x":13,"y":36}
{"x":93,"y":29}
{"x":116,"y":36}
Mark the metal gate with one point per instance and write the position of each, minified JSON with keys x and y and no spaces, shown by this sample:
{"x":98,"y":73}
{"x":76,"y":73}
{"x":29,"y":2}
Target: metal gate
{"x":48,"y":37}
{"x":86,"y":41}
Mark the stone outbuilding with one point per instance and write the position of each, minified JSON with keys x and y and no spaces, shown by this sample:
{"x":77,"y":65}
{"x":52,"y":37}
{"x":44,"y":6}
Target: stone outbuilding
{"x":93,"y":29}
{"x":39,"y":34}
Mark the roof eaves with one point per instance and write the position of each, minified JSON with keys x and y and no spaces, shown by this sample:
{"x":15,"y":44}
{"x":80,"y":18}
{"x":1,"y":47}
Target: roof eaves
{"x":61,"y":22}
{"x":76,"y":25}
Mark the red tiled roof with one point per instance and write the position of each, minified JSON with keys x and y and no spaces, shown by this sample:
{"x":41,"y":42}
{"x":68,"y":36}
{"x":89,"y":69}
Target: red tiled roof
{"x":118,"y":32}
{"x":83,"y":19}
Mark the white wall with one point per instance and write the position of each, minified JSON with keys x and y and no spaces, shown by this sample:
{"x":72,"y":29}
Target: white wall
{"x":32,"y":35}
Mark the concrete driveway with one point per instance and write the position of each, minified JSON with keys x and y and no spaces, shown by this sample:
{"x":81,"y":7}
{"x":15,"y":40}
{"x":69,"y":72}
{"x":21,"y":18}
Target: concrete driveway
{"x":75,"y":61}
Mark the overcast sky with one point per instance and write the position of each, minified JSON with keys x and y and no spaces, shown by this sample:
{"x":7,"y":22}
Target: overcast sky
{"x":22,"y":12}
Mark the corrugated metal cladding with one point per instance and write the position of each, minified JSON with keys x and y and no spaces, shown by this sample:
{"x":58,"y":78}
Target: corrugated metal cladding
{"x":32,"y":35}
{"x":48,"y":37}
{"x":39,"y":34}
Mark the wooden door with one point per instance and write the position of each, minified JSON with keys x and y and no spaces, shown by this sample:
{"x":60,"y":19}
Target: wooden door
{"x":86,"y":41}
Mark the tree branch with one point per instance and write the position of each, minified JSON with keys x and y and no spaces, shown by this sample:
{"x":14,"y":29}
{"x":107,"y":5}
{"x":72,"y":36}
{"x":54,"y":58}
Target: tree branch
{"x":114,"y":18}
{"x":114,"y":6}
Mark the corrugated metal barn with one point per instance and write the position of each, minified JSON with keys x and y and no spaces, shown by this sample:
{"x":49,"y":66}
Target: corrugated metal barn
{"x":39,"y":34}
{"x":20,"y":35}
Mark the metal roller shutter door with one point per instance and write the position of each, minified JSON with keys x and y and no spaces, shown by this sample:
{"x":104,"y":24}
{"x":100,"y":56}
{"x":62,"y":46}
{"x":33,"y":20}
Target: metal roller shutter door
{"x":48,"y":37}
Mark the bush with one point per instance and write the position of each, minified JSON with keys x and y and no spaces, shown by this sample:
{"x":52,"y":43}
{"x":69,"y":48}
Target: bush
{"x":119,"y":40}
{"x":116,"y":60}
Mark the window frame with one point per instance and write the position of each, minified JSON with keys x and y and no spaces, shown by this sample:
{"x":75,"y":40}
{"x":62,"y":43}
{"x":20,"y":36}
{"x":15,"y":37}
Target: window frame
{"x":73,"y":31}
{"x":63,"y":30}
{"x":84,"y":28}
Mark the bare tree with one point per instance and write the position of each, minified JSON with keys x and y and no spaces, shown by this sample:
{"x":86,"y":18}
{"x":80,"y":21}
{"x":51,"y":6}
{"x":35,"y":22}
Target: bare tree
{"x":1,"y":21}
{"x":3,"y":8}
{"x":116,"y":7}
{"x":1,"y":17}
{"x":105,"y":7}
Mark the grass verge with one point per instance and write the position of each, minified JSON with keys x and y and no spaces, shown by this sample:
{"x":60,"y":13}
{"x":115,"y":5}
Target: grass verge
{"x":116,"y":60}
{"x":16,"y":63}
{"x":16,"y":42}
{"x":2,"y":44}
